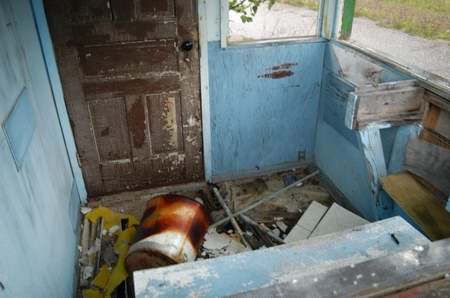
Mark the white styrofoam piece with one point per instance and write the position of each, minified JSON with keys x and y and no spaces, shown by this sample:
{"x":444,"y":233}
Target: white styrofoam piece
{"x":307,"y":222}
{"x":337,"y":219}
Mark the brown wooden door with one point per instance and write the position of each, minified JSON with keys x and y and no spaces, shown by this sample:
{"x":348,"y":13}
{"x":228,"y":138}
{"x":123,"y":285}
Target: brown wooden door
{"x":131,"y":91}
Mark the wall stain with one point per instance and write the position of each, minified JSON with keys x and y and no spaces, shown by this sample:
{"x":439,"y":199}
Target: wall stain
{"x":277,"y":74}
{"x":136,"y":120}
{"x":105,"y":132}
{"x":284,"y":66}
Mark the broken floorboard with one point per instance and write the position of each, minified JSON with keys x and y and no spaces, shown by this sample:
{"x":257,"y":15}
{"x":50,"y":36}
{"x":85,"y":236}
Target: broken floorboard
{"x":253,"y":270}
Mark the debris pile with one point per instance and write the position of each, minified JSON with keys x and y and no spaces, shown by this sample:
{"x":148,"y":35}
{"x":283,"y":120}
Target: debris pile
{"x":246,"y":215}
{"x":272,"y":210}
{"x":104,"y":244}
{"x":218,"y":245}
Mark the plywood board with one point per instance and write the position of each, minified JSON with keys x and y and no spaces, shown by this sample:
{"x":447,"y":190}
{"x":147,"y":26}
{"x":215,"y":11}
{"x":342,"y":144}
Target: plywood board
{"x":419,"y":203}
{"x":337,"y":219}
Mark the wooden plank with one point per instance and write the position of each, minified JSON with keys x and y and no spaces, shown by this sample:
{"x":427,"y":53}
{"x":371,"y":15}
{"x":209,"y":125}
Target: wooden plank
{"x":372,"y":148}
{"x":419,"y":203}
{"x":136,"y":57}
{"x":443,"y":124}
{"x":337,"y":219}
{"x":434,"y":138}
{"x":55,"y":81}
{"x":137,"y":119}
{"x":368,"y":279}
{"x":429,"y":161}
{"x":438,"y":288}
{"x":390,"y":103}
{"x":135,"y":86}
{"x":437,"y":100}
{"x":112,"y":32}
{"x":387,"y":86}
{"x":307,"y":223}
{"x":110,"y":128}
{"x":247,"y":271}
{"x":151,"y":8}
{"x":166,"y":134}
{"x":404,"y":132}
{"x":431,"y":116}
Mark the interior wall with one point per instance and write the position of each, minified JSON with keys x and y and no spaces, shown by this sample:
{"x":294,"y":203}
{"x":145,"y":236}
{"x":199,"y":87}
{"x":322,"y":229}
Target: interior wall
{"x":39,"y":199}
{"x":338,"y":150}
{"x":263,"y":101}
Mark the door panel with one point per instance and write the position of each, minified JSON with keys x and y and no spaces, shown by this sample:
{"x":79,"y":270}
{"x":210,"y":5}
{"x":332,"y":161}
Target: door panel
{"x":132,"y":93}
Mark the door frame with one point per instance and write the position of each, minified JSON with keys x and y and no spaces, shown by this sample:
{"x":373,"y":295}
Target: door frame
{"x":204,"y":88}
{"x":58,"y":95}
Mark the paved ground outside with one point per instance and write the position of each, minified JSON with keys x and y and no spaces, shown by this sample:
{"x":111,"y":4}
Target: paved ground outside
{"x":285,"y":20}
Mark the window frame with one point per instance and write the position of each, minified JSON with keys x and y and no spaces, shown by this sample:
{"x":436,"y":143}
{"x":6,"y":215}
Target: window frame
{"x":225,"y":32}
{"x":342,"y":31}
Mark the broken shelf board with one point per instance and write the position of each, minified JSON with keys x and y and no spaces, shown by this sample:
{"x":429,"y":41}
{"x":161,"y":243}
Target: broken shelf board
{"x":307,"y":223}
{"x":388,"y":103}
{"x":374,"y":278}
{"x":419,"y":203}
{"x":252,"y":270}
{"x":337,"y":219}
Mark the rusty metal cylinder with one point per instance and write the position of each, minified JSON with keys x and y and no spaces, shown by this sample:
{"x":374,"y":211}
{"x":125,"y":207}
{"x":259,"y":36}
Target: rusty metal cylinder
{"x":171,"y":232}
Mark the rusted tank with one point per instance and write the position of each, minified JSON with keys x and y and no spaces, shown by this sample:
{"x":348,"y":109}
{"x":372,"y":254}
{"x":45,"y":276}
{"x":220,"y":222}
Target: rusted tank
{"x":171,"y":231}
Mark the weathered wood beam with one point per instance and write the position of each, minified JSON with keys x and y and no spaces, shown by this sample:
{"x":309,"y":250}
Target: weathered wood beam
{"x":387,"y":104}
{"x":374,"y":278}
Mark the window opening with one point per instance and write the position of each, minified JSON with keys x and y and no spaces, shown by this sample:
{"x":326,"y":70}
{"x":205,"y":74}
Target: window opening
{"x":255,"y":20}
{"x":415,"y":33}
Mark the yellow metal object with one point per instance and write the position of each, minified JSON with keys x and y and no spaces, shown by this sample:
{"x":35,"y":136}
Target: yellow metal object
{"x":110,"y":218}
{"x":108,"y":279}
{"x":102,"y":277}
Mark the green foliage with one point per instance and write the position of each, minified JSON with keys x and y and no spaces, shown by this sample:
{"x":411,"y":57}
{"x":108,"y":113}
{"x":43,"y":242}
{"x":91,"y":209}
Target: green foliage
{"x":248,"y":8}
{"x":426,"y":18}
{"x":429,"y":19}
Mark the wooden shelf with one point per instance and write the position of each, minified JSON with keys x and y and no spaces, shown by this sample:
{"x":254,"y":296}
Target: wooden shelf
{"x":419,"y":203}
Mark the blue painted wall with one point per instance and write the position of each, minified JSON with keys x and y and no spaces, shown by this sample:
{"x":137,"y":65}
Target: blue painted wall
{"x":338,"y":150}
{"x":39,"y":201}
{"x":258,"y":121}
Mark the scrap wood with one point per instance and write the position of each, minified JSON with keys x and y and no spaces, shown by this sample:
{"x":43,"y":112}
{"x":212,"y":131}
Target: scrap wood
{"x":99,"y":236}
{"x":261,"y":236}
{"x":263,"y":200}
{"x":270,"y":216}
{"x":263,"y":228}
{"x":233,"y":220}
{"x":208,"y":198}
{"x":118,"y":274}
